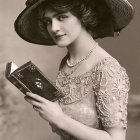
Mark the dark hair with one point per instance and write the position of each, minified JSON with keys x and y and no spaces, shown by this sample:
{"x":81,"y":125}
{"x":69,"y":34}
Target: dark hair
{"x":94,"y":15}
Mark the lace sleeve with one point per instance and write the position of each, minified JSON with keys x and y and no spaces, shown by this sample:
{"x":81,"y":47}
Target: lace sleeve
{"x":112,"y":96}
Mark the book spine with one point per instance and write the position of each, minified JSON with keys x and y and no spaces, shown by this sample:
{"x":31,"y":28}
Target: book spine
{"x":18,"y":84}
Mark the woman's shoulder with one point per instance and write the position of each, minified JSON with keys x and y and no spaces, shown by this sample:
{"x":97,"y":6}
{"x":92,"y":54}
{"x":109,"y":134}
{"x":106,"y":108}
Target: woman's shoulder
{"x":110,"y":69}
{"x":102,"y":60}
{"x":112,"y":65}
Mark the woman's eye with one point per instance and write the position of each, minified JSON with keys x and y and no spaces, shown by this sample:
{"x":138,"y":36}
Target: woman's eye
{"x":62,"y":17}
{"x":46,"y":22}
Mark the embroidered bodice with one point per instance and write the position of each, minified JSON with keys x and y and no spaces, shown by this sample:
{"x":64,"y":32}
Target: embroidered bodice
{"x":97,"y":98}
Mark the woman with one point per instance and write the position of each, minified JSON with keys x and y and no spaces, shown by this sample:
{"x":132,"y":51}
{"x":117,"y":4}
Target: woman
{"x":95,"y":86}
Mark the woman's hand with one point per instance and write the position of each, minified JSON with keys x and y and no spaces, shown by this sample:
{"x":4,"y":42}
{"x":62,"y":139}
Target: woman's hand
{"x":50,"y":111}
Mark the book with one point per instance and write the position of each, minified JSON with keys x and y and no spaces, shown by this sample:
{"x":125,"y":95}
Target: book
{"x":29,"y":78}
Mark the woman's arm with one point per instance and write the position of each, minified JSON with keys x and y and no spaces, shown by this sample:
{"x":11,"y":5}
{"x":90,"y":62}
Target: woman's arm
{"x":83,"y":132}
{"x":52,"y":112}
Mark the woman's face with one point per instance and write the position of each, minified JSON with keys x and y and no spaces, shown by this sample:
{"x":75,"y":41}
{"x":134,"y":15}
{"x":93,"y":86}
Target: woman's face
{"x":64,"y":28}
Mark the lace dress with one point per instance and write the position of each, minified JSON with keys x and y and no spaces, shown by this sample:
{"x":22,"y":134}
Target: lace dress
{"x":97,"y":98}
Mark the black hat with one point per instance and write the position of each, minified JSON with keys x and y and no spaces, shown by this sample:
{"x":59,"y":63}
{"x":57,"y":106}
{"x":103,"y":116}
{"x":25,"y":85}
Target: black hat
{"x":27,"y":25}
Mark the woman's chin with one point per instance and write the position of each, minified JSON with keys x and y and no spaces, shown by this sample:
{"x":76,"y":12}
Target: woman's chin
{"x":62,"y":44}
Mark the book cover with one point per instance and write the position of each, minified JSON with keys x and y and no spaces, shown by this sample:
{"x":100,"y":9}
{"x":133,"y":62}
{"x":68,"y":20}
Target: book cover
{"x":29,"y":78}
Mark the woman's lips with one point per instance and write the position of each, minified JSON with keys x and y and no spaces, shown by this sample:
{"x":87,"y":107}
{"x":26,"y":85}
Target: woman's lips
{"x":59,"y":36}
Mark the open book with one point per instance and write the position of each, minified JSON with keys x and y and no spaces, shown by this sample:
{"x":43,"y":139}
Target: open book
{"x":29,"y":78}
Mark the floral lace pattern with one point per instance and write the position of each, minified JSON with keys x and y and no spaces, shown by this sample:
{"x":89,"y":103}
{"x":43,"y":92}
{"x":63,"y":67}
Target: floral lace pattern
{"x":77,"y":87}
{"x":111,"y":99}
{"x":105,"y":86}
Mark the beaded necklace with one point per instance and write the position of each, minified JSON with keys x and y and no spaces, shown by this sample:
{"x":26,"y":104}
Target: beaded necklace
{"x":77,"y":64}
{"x":83,"y":59}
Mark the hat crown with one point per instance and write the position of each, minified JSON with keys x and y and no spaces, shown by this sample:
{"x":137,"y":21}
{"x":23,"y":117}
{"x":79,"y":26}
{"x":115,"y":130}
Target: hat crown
{"x":30,"y":2}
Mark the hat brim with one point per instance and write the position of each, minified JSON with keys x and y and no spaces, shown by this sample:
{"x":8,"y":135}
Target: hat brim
{"x":27,"y":25}
{"x":122,"y":13}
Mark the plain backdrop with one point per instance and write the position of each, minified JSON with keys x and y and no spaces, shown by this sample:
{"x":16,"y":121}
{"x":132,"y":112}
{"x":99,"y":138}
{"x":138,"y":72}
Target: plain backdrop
{"x":125,"y":48}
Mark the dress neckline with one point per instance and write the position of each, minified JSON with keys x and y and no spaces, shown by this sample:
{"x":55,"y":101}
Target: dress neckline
{"x":90,"y":70}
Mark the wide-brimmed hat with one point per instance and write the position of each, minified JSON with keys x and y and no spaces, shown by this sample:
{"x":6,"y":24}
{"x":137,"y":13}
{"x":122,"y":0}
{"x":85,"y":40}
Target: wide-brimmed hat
{"x":27,"y":25}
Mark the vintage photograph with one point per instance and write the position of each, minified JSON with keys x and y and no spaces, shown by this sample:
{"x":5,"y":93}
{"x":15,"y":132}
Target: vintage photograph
{"x":69,"y":70}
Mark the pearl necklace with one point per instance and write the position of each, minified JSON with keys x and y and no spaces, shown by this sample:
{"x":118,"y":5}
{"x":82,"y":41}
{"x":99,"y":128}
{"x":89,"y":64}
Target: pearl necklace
{"x":71,"y":72}
{"x":83,"y":59}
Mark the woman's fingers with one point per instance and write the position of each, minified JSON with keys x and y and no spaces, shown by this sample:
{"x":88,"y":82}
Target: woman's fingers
{"x":36,"y":108}
{"x":36,"y":97}
{"x":33,"y":102}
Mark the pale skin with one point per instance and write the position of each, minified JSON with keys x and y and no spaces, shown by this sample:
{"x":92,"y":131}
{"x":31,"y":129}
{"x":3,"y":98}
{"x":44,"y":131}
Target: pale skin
{"x":74,"y":39}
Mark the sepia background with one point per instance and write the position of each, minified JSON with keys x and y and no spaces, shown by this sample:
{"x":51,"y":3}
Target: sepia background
{"x":18,"y":120}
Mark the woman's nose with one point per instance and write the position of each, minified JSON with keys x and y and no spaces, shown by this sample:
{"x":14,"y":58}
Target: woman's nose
{"x":55,"y":26}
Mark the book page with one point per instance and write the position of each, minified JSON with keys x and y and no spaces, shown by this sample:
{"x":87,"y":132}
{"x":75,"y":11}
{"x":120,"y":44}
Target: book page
{"x":13,"y":67}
